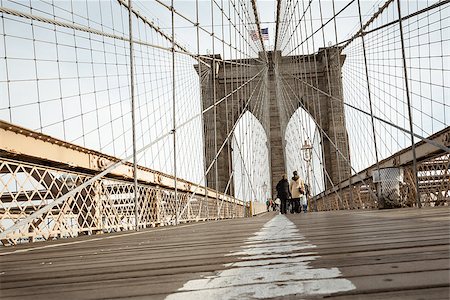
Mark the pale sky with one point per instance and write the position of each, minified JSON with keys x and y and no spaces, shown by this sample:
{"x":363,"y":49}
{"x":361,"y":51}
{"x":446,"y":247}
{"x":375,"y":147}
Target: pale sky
{"x":79,"y":91}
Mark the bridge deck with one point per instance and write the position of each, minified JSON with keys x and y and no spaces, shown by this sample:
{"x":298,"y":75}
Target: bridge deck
{"x":401,"y":253}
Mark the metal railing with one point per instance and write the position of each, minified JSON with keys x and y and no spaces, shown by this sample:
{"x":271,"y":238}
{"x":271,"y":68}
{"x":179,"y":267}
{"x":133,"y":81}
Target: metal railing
{"x":103,"y":206}
{"x":395,"y":186}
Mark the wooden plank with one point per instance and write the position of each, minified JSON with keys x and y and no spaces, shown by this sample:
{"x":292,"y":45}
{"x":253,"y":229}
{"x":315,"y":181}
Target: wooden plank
{"x":158,"y":260}
{"x":384,"y":254}
{"x":431,"y":294}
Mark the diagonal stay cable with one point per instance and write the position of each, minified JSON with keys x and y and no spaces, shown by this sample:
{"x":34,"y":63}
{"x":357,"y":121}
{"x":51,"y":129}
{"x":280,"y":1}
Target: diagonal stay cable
{"x":320,"y":160}
{"x":436,"y":144}
{"x":111,"y":167}
{"x":64,"y":197}
{"x":259,"y":103}
{"x":331,"y":142}
{"x":197,"y":25}
{"x":315,"y":151}
{"x":208,"y":169}
{"x":404,"y":18}
{"x":258,"y":25}
{"x":255,"y":112}
{"x":16,"y":13}
{"x":321,"y":27}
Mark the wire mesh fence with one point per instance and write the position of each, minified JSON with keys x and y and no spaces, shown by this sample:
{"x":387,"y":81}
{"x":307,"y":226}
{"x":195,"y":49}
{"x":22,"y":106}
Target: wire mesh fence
{"x":189,"y":90}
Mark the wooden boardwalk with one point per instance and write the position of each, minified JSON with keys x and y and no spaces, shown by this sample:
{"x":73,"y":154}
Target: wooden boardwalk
{"x":395,"y":254}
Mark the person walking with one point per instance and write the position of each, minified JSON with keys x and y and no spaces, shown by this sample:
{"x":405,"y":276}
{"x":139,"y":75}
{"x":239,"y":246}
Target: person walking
{"x":283,"y":193}
{"x":306,"y":196}
{"x":297,"y":189}
{"x":303,"y":203}
{"x":277,"y":204}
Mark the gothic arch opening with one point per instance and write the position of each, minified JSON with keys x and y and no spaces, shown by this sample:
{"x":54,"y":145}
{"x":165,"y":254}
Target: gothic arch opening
{"x":301,"y":128}
{"x":250,"y":160}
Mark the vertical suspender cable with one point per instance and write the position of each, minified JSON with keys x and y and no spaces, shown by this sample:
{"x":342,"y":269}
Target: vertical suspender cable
{"x":228,"y":187}
{"x":313,"y":111}
{"x":316,"y":82}
{"x":241,"y":100}
{"x":233,"y":99}
{"x":214,"y":70}
{"x":328,"y":73}
{"x":341,"y":92}
{"x":133,"y":117}
{"x":368,"y":90}
{"x":411,"y":127}
{"x":316,"y":104}
{"x":226,"y":101}
{"x":174,"y":121}
{"x":205,"y":199}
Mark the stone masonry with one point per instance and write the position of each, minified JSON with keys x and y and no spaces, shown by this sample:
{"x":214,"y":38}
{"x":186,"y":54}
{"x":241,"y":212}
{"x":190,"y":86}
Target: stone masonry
{"x":300,"y":77}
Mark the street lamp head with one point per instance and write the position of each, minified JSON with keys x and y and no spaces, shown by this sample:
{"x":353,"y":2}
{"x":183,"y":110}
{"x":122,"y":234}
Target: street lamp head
{"x":306,"y":150}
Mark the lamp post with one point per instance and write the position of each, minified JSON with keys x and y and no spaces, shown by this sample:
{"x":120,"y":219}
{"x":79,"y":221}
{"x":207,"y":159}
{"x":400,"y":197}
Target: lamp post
{"x":264,"y":188}
{"x":264,"y":193}
{"x":307,"y":156}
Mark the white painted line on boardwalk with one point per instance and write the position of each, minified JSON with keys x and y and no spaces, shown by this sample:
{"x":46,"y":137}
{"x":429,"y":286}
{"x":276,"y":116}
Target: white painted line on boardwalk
{"x":273,"y":263}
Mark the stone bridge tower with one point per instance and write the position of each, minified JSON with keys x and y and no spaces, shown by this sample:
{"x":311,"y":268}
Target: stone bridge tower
{"x":300,"y":78}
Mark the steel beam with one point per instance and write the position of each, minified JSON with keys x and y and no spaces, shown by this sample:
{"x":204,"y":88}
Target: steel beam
{"x":24,"y":144}
{"x":401,"y":158}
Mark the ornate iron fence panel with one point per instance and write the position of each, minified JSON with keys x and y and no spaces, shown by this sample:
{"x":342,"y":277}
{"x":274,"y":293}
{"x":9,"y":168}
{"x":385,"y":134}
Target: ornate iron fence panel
{"x":396,"y":191}
{"x":103,"y":206}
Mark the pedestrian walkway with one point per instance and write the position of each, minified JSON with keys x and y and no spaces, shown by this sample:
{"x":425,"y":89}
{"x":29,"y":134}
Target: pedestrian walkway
{"x":393,"y":254}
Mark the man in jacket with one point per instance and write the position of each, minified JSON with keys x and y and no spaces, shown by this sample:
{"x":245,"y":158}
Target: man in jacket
{"x":297,"y":189}
{"x":283,"y":193}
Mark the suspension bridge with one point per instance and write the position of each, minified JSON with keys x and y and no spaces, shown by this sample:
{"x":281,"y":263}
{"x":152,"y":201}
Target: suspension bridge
{"x":140,"y":141}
